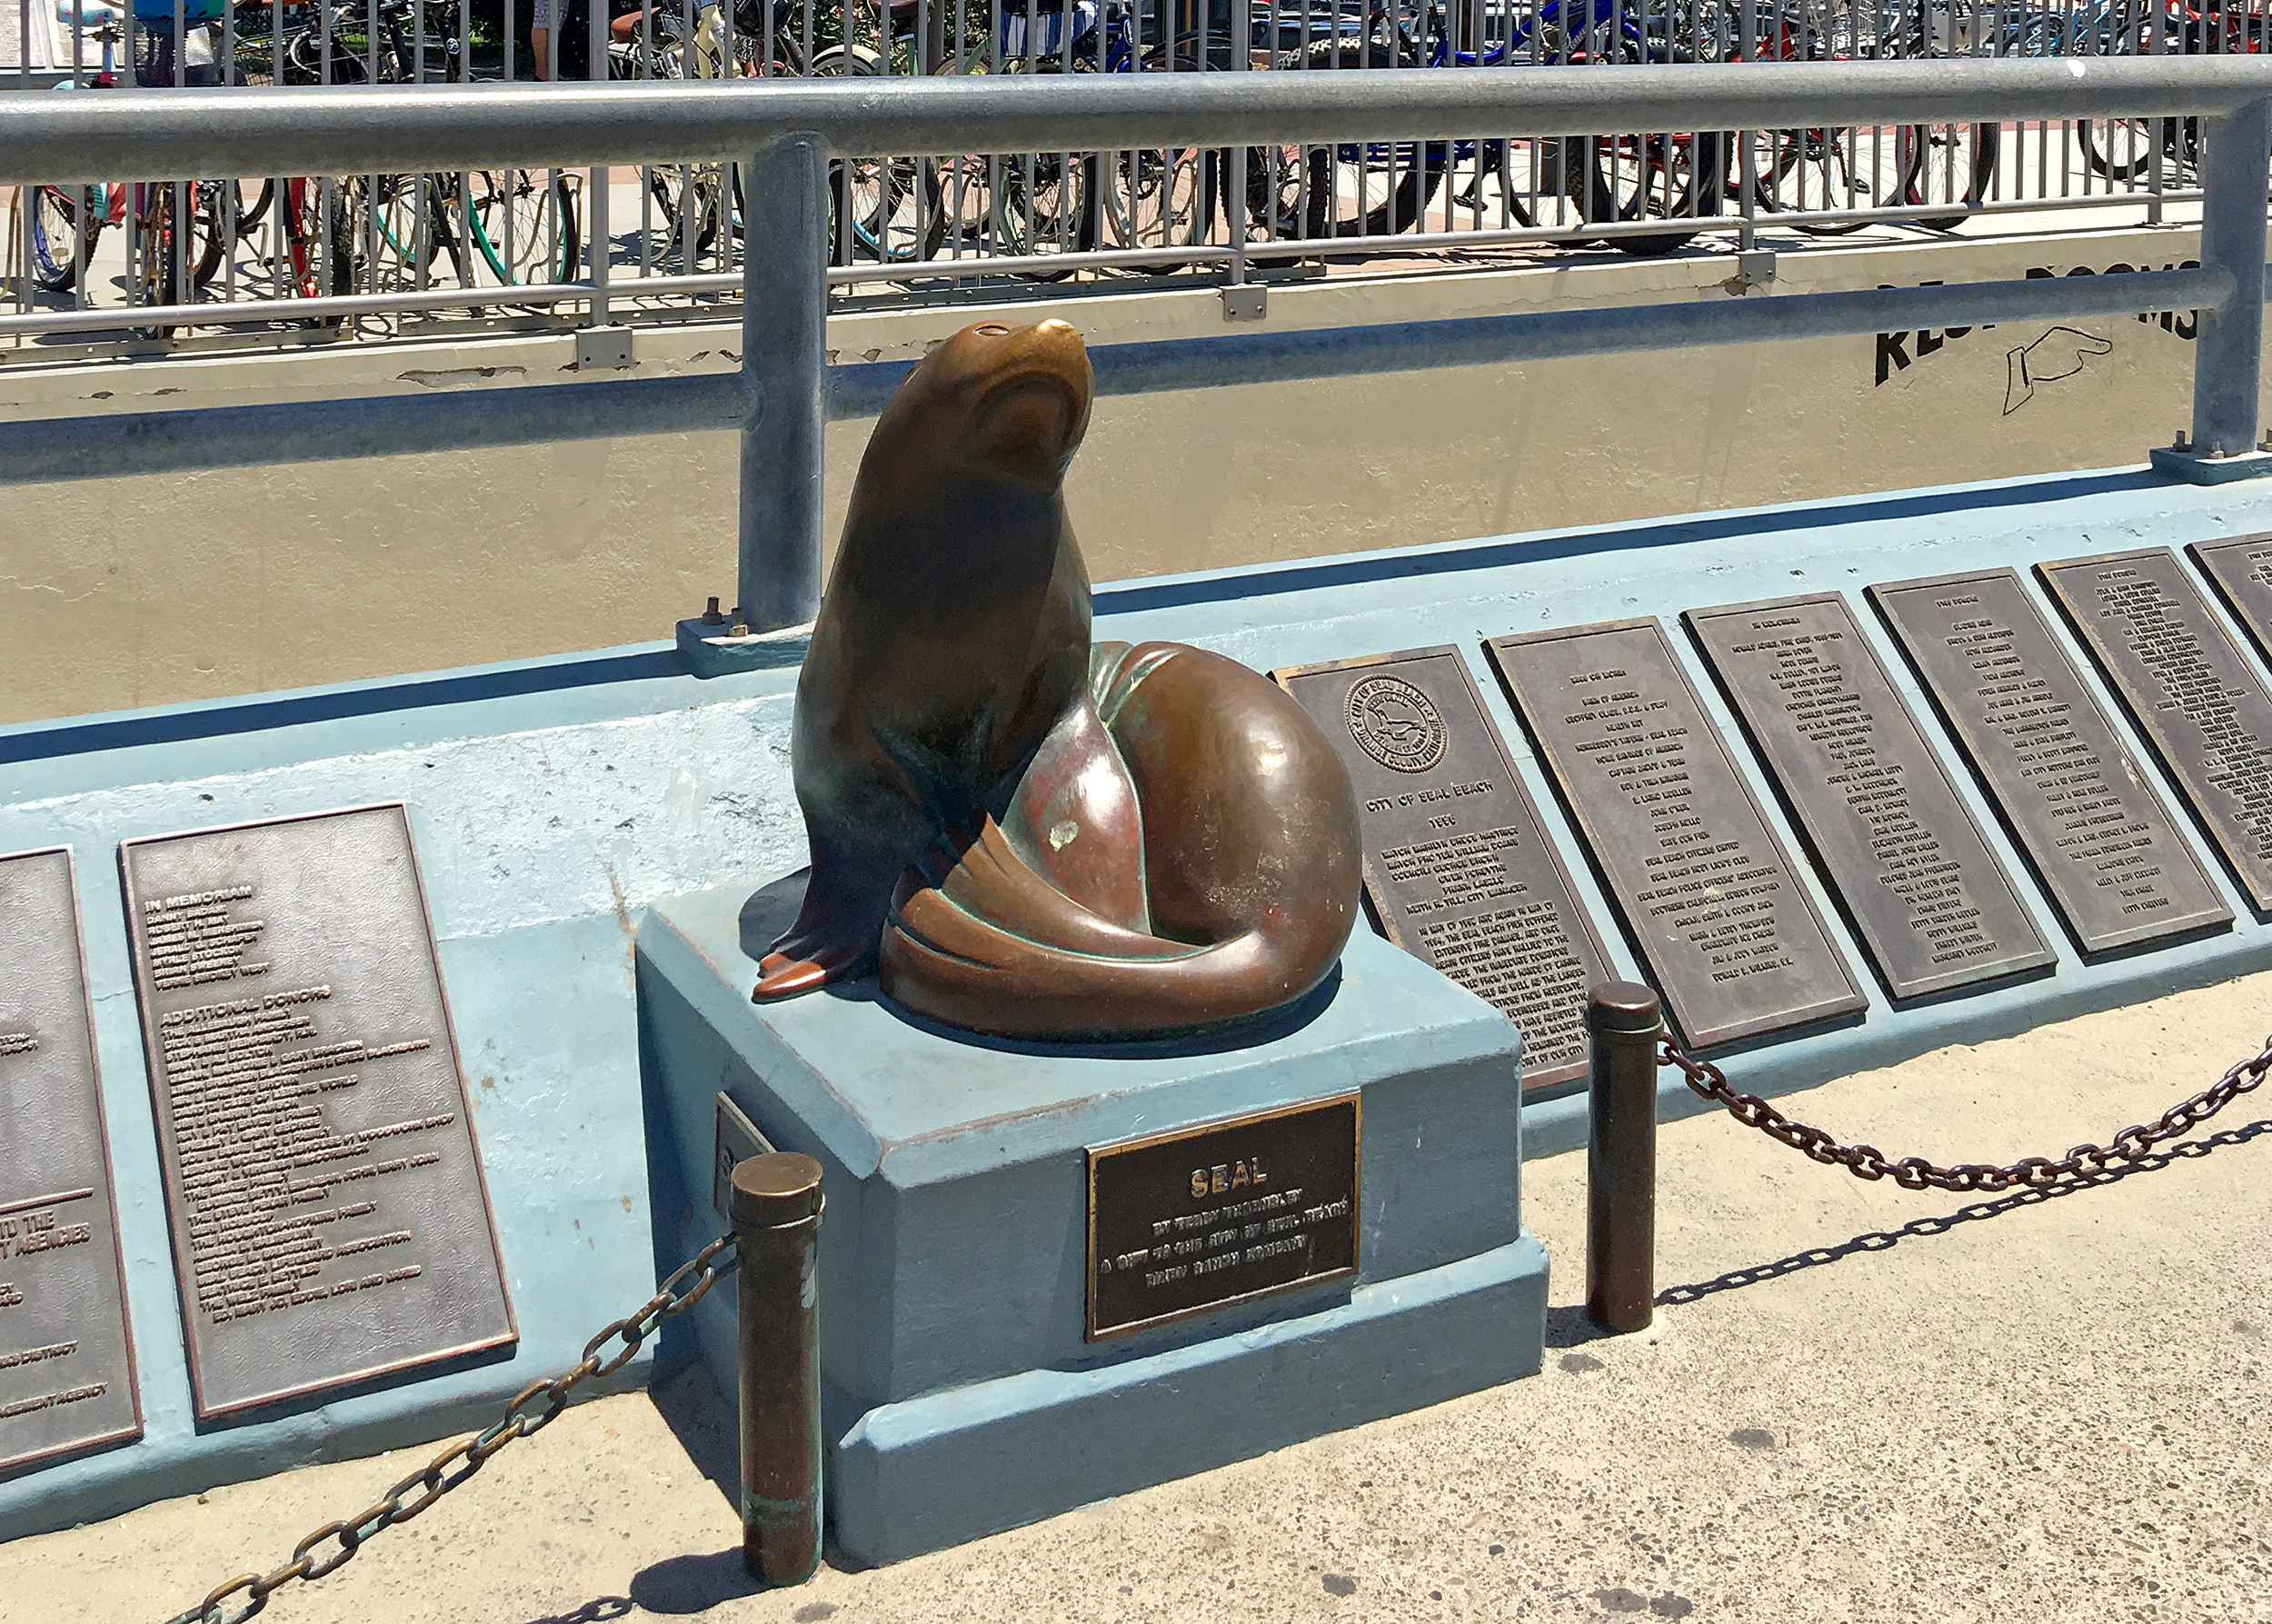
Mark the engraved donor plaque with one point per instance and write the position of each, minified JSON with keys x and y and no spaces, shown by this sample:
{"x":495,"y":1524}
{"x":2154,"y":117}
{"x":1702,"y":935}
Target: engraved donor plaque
{"x":2241,"y":571}
{"x":1205,"y":1217}
{"x":1931,"y":904}
{"x":1455,"y":866}
{"x":2103,"y":844}
{"x":67,"y":1366}
{"x":1712,"y":902}
{"x":330,"y":1224}
{"x":2202,"y":707}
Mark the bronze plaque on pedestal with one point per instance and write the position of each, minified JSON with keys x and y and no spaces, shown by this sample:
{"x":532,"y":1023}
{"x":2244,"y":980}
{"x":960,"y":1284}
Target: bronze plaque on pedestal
{"x":66,"y":1361}
{"x":1708,"y":895}
{"x":330,"y":1222}
{"x":1456,"y":868}
{"x":1926,"y":899}
{"x":2241,"y":571}
{"x":2101,"y":842}
{"x":1205,"y":1217}
{"x":2203,"y":709}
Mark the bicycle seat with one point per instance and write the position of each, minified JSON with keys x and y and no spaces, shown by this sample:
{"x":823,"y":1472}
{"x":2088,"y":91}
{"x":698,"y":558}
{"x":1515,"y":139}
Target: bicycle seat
{"x":88,"y":14}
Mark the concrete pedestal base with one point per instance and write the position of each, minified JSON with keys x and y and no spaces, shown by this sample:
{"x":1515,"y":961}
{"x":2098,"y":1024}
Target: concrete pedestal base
{"x":961,"y":1396}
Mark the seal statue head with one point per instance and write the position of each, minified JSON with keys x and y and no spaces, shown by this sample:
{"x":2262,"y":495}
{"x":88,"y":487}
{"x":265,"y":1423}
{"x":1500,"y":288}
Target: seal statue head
{"x":1025,"y":834}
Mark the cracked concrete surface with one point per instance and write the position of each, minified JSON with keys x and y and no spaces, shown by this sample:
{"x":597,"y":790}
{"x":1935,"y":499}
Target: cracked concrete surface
{"x":1858,"y":1403}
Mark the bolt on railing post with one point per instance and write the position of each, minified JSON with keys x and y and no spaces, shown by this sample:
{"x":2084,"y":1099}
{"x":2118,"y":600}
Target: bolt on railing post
{"x":785,"y":381}
{"x":1624,"y":1022}
{"x":777,"y":1223}
{"x":2227,"y":356}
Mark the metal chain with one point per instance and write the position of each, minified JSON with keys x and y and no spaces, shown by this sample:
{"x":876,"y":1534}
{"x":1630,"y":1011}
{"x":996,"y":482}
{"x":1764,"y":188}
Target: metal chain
{"x":533,"y":1410}
{"x":1914,"y":1172}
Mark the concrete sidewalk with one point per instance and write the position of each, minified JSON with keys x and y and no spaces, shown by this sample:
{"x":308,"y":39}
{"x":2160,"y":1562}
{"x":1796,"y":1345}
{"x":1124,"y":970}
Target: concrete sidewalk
{"x":1858,"y":1403}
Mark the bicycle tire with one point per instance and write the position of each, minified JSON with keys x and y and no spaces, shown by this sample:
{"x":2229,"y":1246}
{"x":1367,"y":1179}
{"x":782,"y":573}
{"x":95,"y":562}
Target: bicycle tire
{"x":62,"y":236}
{"x":526,"y":226}
{"x":2102,"y":138}
{"x":1600,"y":198}
{"x":1407,"y":173}
{"x":1926,"y":177}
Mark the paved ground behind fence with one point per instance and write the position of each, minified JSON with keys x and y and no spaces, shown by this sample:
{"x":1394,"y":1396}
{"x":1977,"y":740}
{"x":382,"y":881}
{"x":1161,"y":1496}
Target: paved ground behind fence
{"x":1858,"y":1403}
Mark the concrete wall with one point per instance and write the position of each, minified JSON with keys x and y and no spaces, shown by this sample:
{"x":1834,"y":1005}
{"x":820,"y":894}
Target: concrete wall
{"x":150,"y":590}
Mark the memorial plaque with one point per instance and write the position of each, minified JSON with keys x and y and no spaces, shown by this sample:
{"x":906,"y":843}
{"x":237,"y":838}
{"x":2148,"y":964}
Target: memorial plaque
{"x":2202,"y":707}
{"x":1926,"y":899}
{"x":2101,"y":842}
{"x":1456,"y":867}
{"x":66,"y":1363}
{"x":1201,"y":1218}
{"x":2241,"y":571}
{"x":331,"y":1223}
{"x":1709,"y":894}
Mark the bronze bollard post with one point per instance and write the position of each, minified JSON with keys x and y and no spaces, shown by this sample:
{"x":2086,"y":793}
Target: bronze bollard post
{"x":777,"y":1221}
{"x":1624,"y":1021}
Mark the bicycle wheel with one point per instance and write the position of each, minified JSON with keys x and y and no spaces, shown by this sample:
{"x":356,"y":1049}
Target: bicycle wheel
{"x":2122,"y":149}
{"x":1950,"y":164}
{"x":1276,"y":183}
{"x":524,"y":225}
{"x":181,"y":246}
{"x":690,"y":203}
{"x":884,"y":210}
{"x":1153,"y":197}
{"x":1368,"y":189}
{"x":1820,"y":170}
{"x":1503,"y":183}
{"x":1677,"y":177}
{"x":410,"y":231}
{"x":60,"y":244}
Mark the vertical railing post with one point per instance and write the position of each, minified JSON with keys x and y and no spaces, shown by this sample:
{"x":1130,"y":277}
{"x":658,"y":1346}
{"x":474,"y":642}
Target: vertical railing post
{"x":777,"y":1223}
{"x":785,"y":381}
{"x":1624,"y":1022}
{"x":2227,"y":356}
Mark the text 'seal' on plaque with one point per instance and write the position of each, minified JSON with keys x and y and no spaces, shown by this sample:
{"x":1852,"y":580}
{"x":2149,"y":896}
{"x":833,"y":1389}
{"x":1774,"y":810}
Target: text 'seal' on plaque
{"x":1713,"y":903}
{"x":1911,"y":870}
{"x":1456,"y":866}
{"x":330,"y":1221}
{"x":66,"y":1361}
{"x":2203,"y":709}
{"x":2241,"y":571}
{"x":1204,"y":1217}
{"x":2100,"y":839}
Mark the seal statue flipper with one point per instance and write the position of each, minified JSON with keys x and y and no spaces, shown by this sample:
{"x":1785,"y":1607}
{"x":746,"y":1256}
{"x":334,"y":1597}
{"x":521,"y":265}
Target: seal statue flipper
{"x":1250,"y":844}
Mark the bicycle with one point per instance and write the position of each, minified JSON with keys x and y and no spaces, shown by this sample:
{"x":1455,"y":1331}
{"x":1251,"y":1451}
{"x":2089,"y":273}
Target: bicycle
{"x":2123,"y":150}
{"x":1377,"y":189}
{"x":174,"y":236}
{"x":1847,"y":168}
{"x":759,"y":38}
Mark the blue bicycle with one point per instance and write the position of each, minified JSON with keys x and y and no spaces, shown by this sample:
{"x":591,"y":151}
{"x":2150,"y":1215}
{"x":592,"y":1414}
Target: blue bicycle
{"x":1377,"y":189}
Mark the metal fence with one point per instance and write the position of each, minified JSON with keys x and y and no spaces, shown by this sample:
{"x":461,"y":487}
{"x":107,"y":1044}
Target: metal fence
{"x":791,"y":141}
{"x":360,"y":249}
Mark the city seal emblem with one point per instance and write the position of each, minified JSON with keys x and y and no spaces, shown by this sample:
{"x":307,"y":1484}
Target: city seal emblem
{"x":1395,"y":724}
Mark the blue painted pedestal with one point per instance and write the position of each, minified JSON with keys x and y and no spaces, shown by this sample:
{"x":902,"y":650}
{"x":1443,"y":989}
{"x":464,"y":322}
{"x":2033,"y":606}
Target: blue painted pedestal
{"x":959,"y":1396}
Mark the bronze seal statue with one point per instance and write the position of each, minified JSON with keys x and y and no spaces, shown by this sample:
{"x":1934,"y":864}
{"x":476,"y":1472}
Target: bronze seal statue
{"x":1025,"y":835}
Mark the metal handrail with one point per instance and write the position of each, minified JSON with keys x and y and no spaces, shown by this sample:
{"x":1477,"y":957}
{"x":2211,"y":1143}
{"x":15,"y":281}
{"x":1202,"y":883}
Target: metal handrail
{"x":162,"y":135}
{"x":784,"y":134}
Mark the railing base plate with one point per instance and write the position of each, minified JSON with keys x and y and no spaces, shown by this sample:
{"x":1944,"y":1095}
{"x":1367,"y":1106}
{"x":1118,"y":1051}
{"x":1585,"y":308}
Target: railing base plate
{"x":2197,"y":468}
{"x":712,"y":650}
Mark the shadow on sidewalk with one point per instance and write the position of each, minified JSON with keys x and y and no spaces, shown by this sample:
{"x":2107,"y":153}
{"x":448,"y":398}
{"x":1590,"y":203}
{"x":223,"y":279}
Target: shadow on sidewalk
{"x":1919,"y":1228}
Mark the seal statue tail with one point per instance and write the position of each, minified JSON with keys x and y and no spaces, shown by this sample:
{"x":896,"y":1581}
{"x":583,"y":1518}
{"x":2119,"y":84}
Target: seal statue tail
{"x":1249,"y":873}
